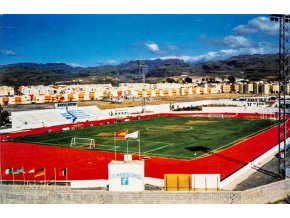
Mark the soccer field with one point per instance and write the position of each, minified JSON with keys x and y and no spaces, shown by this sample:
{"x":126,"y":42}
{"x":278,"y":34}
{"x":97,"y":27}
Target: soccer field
{"x":171,"y":137}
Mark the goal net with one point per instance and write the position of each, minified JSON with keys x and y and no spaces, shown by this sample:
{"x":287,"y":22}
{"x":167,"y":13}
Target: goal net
{"x":215,"y":116}
{"x":83,"y":142}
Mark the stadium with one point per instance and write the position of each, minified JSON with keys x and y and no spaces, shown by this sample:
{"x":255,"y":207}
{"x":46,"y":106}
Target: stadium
{"x":76,"y":150}
{"x":153,"y":122}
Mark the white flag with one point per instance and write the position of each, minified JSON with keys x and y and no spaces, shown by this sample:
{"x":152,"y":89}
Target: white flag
{"x":31,"y":171}
{"x":133,"y":135}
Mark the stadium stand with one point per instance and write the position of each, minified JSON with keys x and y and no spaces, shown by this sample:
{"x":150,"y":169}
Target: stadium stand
{"x":75,"y":115}
{"x":36,"y":118}
{"x":27,"y":119}
{"x":67,"y":116}
{"x":52,"y":117}
{"x":96,"y":112}
{"x":80,"y":114}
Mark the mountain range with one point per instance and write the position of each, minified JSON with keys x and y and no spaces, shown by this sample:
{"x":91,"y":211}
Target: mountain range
{"x":252,"y":67}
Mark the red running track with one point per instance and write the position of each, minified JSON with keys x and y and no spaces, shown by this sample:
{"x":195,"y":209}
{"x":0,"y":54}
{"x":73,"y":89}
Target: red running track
{"x":89,"y":165}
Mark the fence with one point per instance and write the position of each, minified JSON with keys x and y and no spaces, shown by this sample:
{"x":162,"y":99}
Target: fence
{"x":64,"y":195}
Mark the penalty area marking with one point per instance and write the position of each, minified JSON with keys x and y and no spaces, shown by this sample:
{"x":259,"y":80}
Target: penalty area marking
{"x":169,"y":144}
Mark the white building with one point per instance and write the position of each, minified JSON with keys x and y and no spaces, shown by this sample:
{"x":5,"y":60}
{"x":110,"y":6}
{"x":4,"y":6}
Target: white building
{"x":6,"y":91}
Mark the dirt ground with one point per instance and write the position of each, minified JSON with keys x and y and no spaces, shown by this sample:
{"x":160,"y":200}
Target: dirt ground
{"x":161,"y":100}
{"x":193,"y":122}
{"x":105,"y":134}
{"x":127,"y":103}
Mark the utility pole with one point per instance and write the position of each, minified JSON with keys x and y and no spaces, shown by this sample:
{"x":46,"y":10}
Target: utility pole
{"x":284,"y":76}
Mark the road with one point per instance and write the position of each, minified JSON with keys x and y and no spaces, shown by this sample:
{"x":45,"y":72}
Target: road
{"x":264,"y":175}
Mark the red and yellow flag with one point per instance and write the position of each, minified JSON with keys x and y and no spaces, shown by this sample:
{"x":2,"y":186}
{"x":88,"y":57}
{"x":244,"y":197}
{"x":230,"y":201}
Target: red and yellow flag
{"x":40,"y":172}
{"x":121,"y":134}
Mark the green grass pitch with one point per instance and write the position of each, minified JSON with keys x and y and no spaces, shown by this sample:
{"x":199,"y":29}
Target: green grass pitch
{"x":172,"y":137}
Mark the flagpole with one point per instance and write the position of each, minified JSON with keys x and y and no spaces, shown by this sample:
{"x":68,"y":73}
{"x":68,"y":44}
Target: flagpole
{"x":127,"y":150}
{"x":66,"y":176}
{"x":139,"y":150}
{"x":23,"y":174}
{"x":115,"y":145}
{"x":54,"y":176}
{"x":34,"y":175}
{"x":45,"y":175}
{"x":139,"y":145}
{"x":13,"y":175}
{"x":127,"y":144}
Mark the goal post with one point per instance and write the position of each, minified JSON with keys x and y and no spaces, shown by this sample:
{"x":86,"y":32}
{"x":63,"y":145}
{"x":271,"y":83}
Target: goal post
{"x":83,"y":142}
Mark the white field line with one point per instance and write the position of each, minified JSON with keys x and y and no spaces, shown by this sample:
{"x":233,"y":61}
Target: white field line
{"x":168,"y":144}
{"x":175,"y":156}
{"x":107,"y":146}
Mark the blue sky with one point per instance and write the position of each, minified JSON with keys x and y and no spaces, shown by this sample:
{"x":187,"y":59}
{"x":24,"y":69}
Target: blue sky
{"x":90,"y":40}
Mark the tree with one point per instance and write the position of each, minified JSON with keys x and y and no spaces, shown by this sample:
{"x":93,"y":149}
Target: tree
{"x":232,"y":79}
{"x":171,"y":106}
{"x":188,"y":80}
{"x":4,"y":116}
{"x":170,"y":80}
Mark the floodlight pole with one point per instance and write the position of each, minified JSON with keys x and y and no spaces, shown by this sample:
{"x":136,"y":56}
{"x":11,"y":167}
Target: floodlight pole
{"x":284,"y":61}
{"x":142,"y":70}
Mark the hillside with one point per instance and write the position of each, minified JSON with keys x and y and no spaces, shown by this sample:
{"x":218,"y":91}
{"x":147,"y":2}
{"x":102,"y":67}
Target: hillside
{"x":252,"y":67}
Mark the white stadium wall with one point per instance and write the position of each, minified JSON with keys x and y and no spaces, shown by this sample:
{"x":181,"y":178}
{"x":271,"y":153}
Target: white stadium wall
{"x":78,"y":184}
{"x":126,"y":176}
{"x":205,"y":182}
{"x":233,"y":107}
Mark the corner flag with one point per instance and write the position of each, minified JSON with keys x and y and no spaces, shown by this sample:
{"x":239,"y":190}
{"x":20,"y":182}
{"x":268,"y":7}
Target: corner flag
{"x":133,"y":135}
{"x":121,"y":135}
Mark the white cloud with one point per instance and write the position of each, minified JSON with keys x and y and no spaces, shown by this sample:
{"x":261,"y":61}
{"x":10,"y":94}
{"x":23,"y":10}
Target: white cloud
{"x":203,"y":38}
{"x":8,"y":53}
{"x":111,"y":62}
{"x":228,"y":41}
{"x":193,"y":59}
{"x":258,"y":24}
{"x":74,"y":65}
{"x":236,"y":41}
{"x":172,"y":47}
{"x":108,"y":62}
{"x":153,"y":47}
{"x":223,"y":54}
